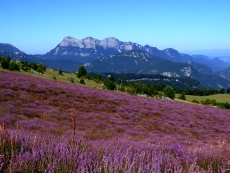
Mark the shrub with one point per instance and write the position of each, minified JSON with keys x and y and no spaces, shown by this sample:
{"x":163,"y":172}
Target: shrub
{"x":182,"y":96}
{"x":97,"y":79}
{"x":82,"y":82}
{"x":81,"y":71}
{"x":88,"y":77}
{"x":5,"y":63}
{"x":41,"y":68}
{"x":33,"y":66}
{"x":209,"y":102}
{"x":195,"y":101}
{"x":13,"y":66}
{"x":121,"y":88}
{"x":109,"y":84}
{"x":169,"y":92}
{"x":225,"y":105}
{"x":60,"y":72}
{"x":72,"y":80}
{"x":54,"y":78}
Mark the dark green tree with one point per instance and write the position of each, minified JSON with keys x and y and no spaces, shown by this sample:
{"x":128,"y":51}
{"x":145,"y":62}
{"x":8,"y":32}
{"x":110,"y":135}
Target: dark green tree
{"x":182,"y":96}
{"x":41,"y":68}
{"x":169,"y":92}
{"x":13,"y":66}
{"x":222,"y":91}
{"x":228,"y":91}
{"x":5,"y":63}
{"x":33,"y":66}
{"x":81,"y":71}
{"x":109,"y":84}
{"x":82,"y":82}
{"x":24,"y":65}
{"x":60,"y":72}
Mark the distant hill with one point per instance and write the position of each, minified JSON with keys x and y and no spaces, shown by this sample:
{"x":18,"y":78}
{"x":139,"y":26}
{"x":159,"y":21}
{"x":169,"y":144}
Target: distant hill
{"x":65,"y":65}
{"x":225,"y":73}
{"x":175,"y":82}
{"x":216,"y":63}
{"x":9,"y":48}
{"x":141,"y":62}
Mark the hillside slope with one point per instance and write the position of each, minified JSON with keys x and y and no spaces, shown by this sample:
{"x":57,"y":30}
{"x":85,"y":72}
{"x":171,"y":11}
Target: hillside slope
{"x":48,"y":105}
{"x":141,"y":62}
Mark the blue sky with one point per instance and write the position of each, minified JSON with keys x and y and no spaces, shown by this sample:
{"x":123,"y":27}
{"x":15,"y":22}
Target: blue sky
{"x":37,"y":26}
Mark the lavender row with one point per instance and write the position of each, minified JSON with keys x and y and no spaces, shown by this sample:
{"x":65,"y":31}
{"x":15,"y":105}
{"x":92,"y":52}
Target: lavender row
{"x":47,"y":105}
{"x":23,"y":151}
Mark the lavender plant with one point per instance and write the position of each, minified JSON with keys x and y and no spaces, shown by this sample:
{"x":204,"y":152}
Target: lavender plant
{"x":113,"y":132}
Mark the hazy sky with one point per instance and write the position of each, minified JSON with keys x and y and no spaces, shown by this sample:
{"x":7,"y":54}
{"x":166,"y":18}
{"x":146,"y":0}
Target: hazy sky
{"x":37,"y":26}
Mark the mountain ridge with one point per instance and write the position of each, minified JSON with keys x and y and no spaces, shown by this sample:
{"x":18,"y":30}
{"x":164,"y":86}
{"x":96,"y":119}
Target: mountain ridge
{"x":70,"y":53}
{"x":141,"y":62}
{"x":9,"y":48}
{"x":89,"y":49}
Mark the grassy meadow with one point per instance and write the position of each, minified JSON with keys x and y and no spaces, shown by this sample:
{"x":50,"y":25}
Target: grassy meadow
{"x":218,"y":97}
{"x":54,"y":125}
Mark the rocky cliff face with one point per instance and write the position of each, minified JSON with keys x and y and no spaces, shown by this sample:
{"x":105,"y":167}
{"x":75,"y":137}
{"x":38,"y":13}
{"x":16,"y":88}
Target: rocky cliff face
{"x":92,"y":43}
{"x":88,"y":49}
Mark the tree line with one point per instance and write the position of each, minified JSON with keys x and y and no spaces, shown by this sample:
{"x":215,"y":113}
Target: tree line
{"x":131,"y":87}
{"x":12,"y":65}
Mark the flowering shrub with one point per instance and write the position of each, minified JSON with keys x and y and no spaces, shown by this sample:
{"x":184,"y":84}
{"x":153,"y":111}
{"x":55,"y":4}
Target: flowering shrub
{"x":24,"y":151}
{"x":115,"y":132}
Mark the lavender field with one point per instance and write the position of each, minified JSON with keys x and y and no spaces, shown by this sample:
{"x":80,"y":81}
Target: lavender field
{"x":111,"y":131}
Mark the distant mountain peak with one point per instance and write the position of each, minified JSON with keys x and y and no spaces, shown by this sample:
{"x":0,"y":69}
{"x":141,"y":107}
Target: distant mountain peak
{"x":89,"y":49}
{"x":9,"y":48}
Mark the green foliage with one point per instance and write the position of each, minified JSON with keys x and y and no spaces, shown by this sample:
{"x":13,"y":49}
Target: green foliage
{"x":222,"y":91}
{"x":24,"y":66}
{"x":121,"y":88}
{"x":131,"y":90}
{"x":72,"y":80}
{"x":97,"y":79}
{"x":13,"y":66}
{"x":41,"y":68}
{"x":169,"y":92}
{"x":54,"y":78}
{"x":34,"y":66}
{"x":209,"y":102}
{"x":1,"y":58}
{"x":81,"y":72}
{"x":88,"y":77}
{"x":60,"y":72}
{"x":5,"y":62}
{"x":109,"y":84}
{"x":82,"y":82}
{"x":225,"y":105}
{"x":195,"y":101}
{"x":182,"y":96}
{"x":213,"y":102}
{"x":228,"y":90}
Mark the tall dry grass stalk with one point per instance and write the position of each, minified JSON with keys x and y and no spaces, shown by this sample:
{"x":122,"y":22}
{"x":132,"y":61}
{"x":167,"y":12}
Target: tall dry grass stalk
{"x":228,"y":163}
{"x":16,"y":137}
{"x":74,"y":125}
{"x":2,"y":127}
{"x":2,"y":141}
